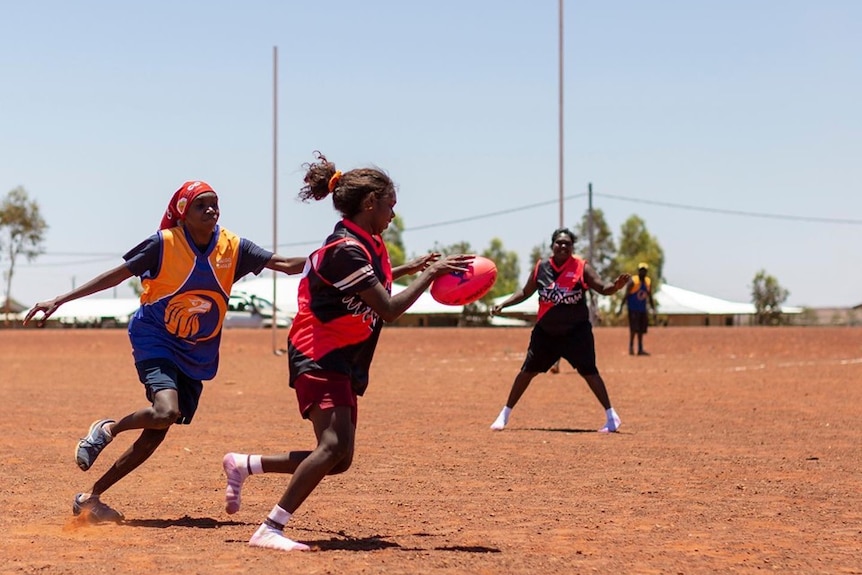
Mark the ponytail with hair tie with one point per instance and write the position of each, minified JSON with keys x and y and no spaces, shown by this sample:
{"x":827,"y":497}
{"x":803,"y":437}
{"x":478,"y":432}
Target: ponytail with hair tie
{"x":333,"y":181}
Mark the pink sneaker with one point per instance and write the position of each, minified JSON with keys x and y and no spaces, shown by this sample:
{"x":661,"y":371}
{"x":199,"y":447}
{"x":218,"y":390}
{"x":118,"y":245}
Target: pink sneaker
{"x":236,"y":467}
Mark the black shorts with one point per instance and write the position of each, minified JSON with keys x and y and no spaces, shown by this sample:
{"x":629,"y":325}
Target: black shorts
{"x":638,"y":321}
{"x":160,"y":374}
{"x":576,"y":346}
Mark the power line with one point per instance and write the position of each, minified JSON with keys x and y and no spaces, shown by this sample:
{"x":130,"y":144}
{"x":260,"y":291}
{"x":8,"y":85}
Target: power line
{"x":459,"y":220}
{"x":812,"y":219}
{"x":91,"y":254}
{"x":744,"y":213}
{"x":67,"y":263}
{"x":489,"y":215}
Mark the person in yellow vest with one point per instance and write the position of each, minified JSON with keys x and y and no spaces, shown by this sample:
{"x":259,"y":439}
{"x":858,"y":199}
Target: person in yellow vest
{"x":186,"y":270}
{"x":638,"y":299}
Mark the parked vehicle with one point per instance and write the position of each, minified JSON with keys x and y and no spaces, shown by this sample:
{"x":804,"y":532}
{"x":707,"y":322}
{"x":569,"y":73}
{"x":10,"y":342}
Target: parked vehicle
{"x":248,"y":310}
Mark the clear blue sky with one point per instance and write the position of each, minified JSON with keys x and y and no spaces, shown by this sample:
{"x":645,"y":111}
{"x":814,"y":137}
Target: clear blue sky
{"x":739,"y":105}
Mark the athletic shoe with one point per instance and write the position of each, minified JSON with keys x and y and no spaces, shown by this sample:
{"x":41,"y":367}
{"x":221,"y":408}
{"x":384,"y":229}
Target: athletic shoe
{"x":236,"y":468}
{"x":93,"y":510}
{"x":612,"y":424}
{"x":642,"y":352}
{"x":271,"y":538}
{"x":91,"y":446}
{"x":502,"y":420}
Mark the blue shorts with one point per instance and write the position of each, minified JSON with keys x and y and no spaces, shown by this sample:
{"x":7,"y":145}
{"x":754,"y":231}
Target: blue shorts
{"x":577,"y":347}
{"x":160,"y":374}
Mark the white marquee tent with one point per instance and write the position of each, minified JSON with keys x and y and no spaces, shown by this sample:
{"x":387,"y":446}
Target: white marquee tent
{"x":670,"y":300}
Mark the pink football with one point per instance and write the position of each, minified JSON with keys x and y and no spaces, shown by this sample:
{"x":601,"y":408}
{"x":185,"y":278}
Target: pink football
{"x":461,"y":288}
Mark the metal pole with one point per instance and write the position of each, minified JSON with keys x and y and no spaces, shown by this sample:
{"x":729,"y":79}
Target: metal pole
{"x":590,"y":228}
{"x":275,"y":348}
{"x":591,"y":238}
{"x":560,"y":58}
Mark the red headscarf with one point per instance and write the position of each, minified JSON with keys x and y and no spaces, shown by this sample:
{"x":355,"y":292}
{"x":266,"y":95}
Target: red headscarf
{"x":181,"y":199}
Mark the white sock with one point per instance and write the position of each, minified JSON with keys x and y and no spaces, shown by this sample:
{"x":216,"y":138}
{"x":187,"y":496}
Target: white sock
{"x":254,"y":464}
{"x":279,"y":516}
{"x":270,"y":534}
{"x":503,"y":419}
{"x":613,"y":421}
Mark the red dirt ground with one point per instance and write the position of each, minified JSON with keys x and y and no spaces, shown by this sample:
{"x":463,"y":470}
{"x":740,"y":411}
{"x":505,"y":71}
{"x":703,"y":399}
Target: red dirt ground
{"x":739,"y":452}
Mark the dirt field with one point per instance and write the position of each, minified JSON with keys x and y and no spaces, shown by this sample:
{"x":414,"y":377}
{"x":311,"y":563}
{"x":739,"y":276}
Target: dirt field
{"x":740,"y":452}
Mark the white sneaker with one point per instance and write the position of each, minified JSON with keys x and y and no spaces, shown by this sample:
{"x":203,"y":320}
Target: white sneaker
{"x":612,"y":424}
{"x":236,"y":468}
{"x":502,"y":420}
{"x":270,"y":538}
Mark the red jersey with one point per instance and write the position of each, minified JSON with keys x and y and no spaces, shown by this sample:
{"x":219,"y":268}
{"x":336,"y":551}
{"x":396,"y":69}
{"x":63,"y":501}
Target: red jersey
{"x":334,"y":329}
{"x":562,"y":292}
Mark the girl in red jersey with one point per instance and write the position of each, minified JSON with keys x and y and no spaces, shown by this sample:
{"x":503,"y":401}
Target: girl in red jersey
{"x":563,"y":328}
{"x":187,"y":269}
{"x":344,"y":298}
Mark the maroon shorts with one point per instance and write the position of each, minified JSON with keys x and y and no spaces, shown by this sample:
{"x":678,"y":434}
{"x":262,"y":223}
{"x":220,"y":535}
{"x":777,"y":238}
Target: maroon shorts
{"x":324,"y":389}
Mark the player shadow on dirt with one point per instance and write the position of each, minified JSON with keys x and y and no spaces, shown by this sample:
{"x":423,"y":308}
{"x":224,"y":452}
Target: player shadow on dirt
{"x":377,"y":542}
{"x":553,"y":429}
{"x":184,"y":521}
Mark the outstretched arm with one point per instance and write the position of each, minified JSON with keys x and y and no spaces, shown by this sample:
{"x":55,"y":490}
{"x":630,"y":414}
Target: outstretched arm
{"x":390,"y":308}
{"x":284,"y":264}
{"x":597,"y":284}
{"x":104,"y":281}
{"x":415,"y":266}
{"x":520,"y":295}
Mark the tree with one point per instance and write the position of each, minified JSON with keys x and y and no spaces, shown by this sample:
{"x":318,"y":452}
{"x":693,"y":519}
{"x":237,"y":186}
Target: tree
{"x":22,"y":231}
{"x":508,"y":270}
{"x":539,"y":252}
{"x":393,"y":237}
{"x":636,"y":245}
{"x":457,"y":248}
{"x":604,"y":248}
{"x":767,"y":296}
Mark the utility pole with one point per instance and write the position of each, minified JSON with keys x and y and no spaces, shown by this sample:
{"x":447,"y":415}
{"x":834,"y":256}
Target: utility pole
{"x":591,"y":238}
{"x":275,"y":349}
{"x":560,"y":58}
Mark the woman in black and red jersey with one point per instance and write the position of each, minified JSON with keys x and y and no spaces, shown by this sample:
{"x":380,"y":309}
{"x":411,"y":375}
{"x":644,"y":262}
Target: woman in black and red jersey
{"x":563,"y":328}
{"x":344,"y":298}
